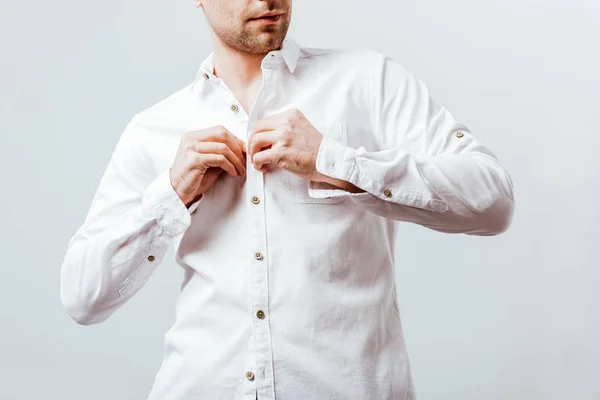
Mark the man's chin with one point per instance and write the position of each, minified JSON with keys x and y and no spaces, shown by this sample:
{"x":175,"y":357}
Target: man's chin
{"x":266,"y":42}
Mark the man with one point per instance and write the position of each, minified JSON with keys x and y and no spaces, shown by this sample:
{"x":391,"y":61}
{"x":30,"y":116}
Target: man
{"x":279,"y":175}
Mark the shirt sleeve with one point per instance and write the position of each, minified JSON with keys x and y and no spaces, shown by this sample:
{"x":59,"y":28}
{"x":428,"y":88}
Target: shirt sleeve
{"x":429,"y":169}
{"x":128,"y":229}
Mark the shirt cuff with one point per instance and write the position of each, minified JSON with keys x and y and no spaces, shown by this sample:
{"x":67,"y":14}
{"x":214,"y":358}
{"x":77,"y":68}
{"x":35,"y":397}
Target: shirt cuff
{"x":162,"y":202}
{"x":335,"y":160}
{"x":194,"y":205}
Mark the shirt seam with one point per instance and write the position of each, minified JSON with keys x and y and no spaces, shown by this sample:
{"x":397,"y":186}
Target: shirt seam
{"x":373,"y":107}
{"x":137,"y":268}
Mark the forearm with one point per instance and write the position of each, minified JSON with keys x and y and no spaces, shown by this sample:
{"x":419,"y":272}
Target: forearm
{"x":101,"y":272}
{"x":424,"y":167}
{"x":113,"y":254}
{"x":467,"y":192}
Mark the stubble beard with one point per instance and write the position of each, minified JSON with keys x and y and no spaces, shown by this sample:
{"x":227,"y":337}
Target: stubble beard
{"x":254,"y":40}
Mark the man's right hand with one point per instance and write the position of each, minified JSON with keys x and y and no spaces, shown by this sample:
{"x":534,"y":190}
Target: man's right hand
{"x":201,"y":158}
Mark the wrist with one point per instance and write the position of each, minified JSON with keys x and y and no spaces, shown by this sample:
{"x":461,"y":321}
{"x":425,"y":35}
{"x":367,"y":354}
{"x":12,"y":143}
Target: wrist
{"x":338,"y":183}
{"x":195,"y":199}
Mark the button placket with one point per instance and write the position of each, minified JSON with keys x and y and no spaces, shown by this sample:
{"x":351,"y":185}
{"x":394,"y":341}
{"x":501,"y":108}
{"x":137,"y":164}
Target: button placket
{"x":259,"y":263}
{"x":228,"y":96}
{"x":259,"y":359}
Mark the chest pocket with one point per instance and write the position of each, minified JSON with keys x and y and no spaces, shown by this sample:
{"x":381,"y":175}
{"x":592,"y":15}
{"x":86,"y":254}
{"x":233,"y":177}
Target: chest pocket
{"x":296,"y":187}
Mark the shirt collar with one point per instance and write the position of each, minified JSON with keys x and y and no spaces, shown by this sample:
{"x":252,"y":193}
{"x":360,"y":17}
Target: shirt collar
{"x":290,"y":52}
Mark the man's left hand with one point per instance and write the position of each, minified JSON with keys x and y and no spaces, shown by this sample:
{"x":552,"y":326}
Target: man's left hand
{"x":289,"y":141}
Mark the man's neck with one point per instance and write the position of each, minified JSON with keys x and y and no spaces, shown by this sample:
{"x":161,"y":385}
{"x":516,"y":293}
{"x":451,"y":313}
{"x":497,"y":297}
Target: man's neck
{"x":238,"y":70}
{"x":241,"y":72}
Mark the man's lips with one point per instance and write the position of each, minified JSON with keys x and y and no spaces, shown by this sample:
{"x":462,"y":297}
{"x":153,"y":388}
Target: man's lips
{"x":268,"y":17}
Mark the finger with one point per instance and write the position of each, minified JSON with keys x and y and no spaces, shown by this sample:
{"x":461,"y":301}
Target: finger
{"x":286,"y":118}
{"x":237,"y":145}
{"x":231,"y":141}
{"x":220,"y":134}
{"x":217,"y":160}
{"x":239,"y":161}
{"x":234,"y":143}
{"x":262,"y":158}
{"x":222,"y":149}
{"x":244,"y":150}
{"x":233,"y":155}
{"x":242,"y":144}
{"x":260,"y":140}
{"x":270,"y":123}
{"x":214,"y":133}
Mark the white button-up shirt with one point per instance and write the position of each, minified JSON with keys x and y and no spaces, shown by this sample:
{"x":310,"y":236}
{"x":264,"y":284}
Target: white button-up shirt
{"x":288,"y":288}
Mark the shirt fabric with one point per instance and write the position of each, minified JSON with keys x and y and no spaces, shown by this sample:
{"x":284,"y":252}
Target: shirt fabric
{"x":288,"y":285}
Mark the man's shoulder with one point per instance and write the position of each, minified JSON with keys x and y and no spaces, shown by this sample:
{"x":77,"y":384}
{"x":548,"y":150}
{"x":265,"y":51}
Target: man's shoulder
{"x":348,"y":59}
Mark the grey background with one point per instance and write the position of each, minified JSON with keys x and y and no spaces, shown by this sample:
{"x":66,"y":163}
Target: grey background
{"x":508,"y":317}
